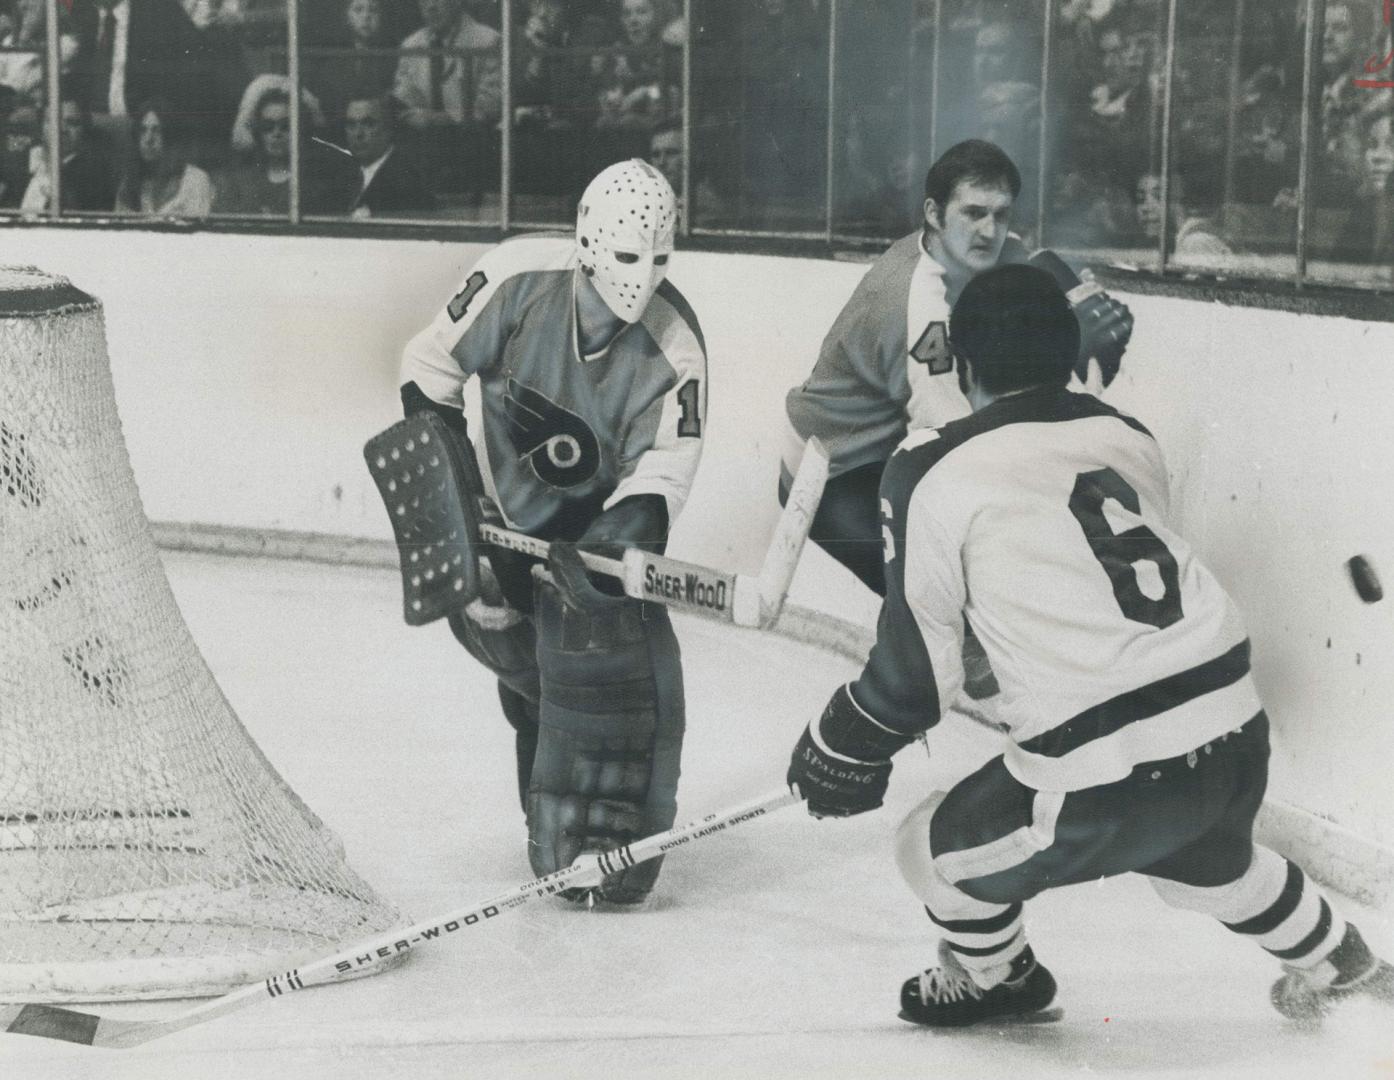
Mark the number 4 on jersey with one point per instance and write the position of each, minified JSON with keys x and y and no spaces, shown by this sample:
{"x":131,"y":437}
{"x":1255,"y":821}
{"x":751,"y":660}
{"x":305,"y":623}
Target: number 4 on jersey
{"x":933,"y":350}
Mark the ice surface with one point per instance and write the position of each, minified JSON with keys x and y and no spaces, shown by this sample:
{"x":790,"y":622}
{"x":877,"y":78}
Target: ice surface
{"x":776,"y":950}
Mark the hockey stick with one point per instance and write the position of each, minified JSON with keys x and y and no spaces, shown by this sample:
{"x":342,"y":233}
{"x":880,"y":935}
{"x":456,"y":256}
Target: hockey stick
{"x":423,"y":473}
{"x":93,"y":1029}
{"x":733,"y":598}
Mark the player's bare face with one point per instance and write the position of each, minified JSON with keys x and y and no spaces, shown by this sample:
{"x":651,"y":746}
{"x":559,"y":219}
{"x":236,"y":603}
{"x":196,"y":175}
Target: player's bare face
{"x":967,"y":236}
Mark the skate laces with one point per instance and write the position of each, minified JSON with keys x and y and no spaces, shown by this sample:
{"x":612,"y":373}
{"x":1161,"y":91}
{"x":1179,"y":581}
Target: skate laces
{"x":940,"y":984}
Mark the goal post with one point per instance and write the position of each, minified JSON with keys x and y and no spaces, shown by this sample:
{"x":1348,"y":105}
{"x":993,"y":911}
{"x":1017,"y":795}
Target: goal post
{"x":147,"y":847}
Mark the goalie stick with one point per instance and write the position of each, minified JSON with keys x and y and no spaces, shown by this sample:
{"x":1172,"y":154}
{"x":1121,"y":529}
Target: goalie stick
{"x":424,"y":491}
{"x":93,"y":1029}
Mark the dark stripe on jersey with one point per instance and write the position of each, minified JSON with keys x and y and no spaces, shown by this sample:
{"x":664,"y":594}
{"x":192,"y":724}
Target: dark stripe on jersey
{"x":965,"y":950}
{"x":1277,"y":911}
{"x":977,"y":926}
{"x":1312,"y":940}
{"x":669,"y":292}
{"x":1140,"y":704}
{"x":1046,"y":405}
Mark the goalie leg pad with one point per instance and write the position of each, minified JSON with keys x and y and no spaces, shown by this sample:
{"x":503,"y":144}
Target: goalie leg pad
{"x":429,"y":480}
{"x":521,"y":714}
{"x":504,"y":641}
{"x":610,"y":738}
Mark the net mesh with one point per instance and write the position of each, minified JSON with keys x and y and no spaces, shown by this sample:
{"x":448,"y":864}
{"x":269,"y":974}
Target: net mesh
{"x":147,"y":847}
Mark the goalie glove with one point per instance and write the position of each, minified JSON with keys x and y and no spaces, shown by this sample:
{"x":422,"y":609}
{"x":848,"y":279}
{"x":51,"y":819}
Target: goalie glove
{"x":842,"y":763}
{"x":636,"y":521}
{"x":1105,"y":324}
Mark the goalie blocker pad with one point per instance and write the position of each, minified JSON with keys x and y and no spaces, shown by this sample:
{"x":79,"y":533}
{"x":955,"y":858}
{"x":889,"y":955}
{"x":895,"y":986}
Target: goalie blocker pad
{"x":610,"y":735}
{"x":429,"y":481}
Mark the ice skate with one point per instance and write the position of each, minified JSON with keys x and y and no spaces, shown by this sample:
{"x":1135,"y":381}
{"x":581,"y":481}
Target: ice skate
{"x":946,"y":996}
{"x":1307,"y":996}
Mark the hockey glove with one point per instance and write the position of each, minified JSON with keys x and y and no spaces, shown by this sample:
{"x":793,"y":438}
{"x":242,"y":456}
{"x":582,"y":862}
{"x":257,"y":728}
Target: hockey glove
{"x":841,"y":765}
{"x":638,"y":521}
{"x":1105,"y":324}
{"x":574,"y":583}
{"x":1105,"y":328}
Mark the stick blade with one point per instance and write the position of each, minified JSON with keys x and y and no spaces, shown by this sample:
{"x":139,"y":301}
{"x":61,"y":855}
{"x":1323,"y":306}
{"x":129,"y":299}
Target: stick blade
{"x":71,"y":1025}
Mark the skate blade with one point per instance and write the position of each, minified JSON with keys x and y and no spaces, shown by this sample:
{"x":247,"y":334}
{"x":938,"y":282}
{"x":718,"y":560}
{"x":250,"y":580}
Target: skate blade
{"x":1041,"y":1016}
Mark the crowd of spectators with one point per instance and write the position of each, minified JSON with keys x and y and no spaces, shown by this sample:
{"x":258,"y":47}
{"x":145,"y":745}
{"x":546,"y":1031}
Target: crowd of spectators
{"x":187,"y":104}
{"x":182,"y":108}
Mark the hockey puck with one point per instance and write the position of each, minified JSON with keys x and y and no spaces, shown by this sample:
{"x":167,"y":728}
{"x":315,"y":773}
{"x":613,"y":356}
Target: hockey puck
{"x":1364,"y":578}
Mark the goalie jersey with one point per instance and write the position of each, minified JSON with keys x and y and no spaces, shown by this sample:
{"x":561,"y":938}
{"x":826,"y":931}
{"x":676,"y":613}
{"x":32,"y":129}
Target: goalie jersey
{"x":1041,"y":518}
{"x":566,"y":435}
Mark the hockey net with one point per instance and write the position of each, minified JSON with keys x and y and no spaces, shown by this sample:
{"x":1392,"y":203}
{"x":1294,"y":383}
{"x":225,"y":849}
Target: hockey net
{"x":147,"y":847}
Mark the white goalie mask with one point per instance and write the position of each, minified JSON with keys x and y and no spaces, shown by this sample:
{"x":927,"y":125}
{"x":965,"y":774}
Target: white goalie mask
{"x":624,"y":235}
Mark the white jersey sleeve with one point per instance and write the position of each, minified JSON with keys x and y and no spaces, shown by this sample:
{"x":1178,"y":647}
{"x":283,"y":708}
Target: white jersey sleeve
{"x":469,"y":333}
{"x":664,"y":444}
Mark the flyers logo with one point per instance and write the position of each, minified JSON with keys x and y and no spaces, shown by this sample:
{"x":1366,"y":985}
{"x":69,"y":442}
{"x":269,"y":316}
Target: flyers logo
{"x":559,"y":445}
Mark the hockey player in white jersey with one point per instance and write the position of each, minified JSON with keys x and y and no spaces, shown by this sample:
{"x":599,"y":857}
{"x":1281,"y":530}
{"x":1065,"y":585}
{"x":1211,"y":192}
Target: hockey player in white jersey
{"x":885,"y":367}
{"x":1137,"y":741}
{"x":592,"y":375}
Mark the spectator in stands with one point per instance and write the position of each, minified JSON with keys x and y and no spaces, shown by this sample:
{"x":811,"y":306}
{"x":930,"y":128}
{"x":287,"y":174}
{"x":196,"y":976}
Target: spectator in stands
{"x":19,"y":134}
{"x":219,"y":24}
{"x":1077,"y":29}
{"x":87,"y":174}
{"x":1112,"y":134}
{"x":159,"y":181}
{"x":23,"y":28}
{"x":206,"y":13}
{"x":131,"y":51}
{"x":259,"y":181}
{"x":1348,"y":38}
{"x":666,"y":155}
{"x":637,"y":81}
{"x":362,"y":65}
{"x":1121,"y":105}
{"x":450,"y":88}
{"x":390,"y":181}
{"x":1368,"y":235}
{"x":1265,"y":160}
{"x":552,"y":112}
{"x":1192,"y":234}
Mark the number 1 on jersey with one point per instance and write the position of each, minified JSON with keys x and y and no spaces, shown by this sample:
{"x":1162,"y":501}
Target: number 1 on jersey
{"x":460,"y":304}
{"x":690,"y":398}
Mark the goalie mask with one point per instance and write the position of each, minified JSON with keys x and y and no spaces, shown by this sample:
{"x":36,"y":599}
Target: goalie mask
{"x":624,"y":235}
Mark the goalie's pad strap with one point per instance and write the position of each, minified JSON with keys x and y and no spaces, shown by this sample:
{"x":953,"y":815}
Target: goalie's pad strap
{"x":427,"y":479}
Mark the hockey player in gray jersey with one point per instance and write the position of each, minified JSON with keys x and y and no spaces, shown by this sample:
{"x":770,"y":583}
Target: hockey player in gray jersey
{"x":885,"y":367}
{"x":1136,"y":739}
{"x":591,"y":371}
